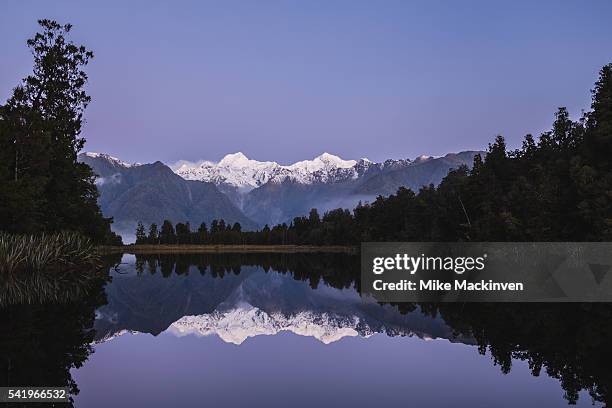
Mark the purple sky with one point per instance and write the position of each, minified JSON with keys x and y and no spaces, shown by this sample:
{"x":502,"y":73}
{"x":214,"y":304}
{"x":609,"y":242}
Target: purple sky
{"x":287,"y":80}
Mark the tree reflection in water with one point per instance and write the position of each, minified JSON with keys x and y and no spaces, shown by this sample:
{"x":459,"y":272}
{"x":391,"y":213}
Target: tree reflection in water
{"x":570,"y":342}
{"x":41,"y":341}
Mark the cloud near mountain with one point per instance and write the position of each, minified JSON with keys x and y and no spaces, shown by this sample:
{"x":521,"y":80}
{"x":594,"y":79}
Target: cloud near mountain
{"x":254,"y":193}
{"x":152,"y":193}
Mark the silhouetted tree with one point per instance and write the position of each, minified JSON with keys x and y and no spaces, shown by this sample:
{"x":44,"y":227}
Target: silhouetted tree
{"x":141,"y":236}
{"x":153,"y":237}
{"x":42,"y":185}
{"x":183,"y":233}
{"x":167,"y":235}
{"x":202,"y":237}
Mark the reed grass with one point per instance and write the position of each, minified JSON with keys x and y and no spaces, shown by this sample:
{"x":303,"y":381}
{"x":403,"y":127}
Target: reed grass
{"x":46,"y":267}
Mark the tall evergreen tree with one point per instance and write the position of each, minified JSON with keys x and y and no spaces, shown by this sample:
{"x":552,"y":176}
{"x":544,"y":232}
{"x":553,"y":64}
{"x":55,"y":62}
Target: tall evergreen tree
{"x":141,"y":235}
{"x":167,"y":235}
{"x":595,"y":172}
{"x":202,"y":235}
{"x":599,"y":120}
{"x":153,"y":236}
{"x":183,"y":232}
{"x":42,"y":185}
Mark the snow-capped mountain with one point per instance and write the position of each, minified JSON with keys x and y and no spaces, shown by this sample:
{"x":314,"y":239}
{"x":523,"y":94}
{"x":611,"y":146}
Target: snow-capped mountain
{"x":253,"y":192}
{"x":113,"y":160}
{"x":255,"y":302}
{"x":245,"y":174}
{"x":246,"y":321}
{"x":151,"y":193}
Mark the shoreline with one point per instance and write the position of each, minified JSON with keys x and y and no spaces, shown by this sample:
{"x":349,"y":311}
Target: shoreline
{"x":225,"y":248}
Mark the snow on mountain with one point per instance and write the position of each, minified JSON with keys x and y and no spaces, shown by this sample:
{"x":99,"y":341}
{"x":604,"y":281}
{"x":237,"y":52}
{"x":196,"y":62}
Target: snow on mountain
{"x":234,"y":169}
{"x":236,"y":175}
{"x":245,"y":321}
{"x":326,"y":162}
{"x":112,"y":336}
{"x":239,"y":171}
{"x":111,"y":159}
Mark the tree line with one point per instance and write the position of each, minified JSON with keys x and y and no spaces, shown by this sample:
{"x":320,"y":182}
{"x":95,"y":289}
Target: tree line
{"x":338,"y":270}
{"x":555,"y":188}
{"x":311,"y":230}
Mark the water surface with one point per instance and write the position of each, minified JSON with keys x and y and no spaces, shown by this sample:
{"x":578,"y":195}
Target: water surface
{"x":277,"y":330}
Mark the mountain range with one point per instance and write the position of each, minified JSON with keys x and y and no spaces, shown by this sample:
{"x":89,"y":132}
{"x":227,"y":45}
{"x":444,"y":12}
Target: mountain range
{"x":251,"y":192}
{"x":152,"y":193}
{"x":252,"y":303}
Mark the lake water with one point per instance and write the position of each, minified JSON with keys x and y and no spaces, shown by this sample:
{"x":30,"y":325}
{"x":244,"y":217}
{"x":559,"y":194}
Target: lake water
{"x":293,"y":330}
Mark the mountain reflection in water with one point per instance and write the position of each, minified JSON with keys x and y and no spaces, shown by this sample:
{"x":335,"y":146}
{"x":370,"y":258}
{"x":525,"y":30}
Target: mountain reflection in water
{"x":242,"y":300}
{"x":275,"y":306}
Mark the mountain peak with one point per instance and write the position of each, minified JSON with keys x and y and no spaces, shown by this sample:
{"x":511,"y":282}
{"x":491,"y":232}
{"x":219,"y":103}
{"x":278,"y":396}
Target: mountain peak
{"x":234,"y":159}
{"x":328,"y":157}
{"x":239,"y":160}
{"x":245,"y":321}
{"x":109,"y":158}
{"x":237,"y":170}
{"x":323,"y":162}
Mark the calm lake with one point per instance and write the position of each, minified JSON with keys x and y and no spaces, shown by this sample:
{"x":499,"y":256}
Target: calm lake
{"x":274,"y":330}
